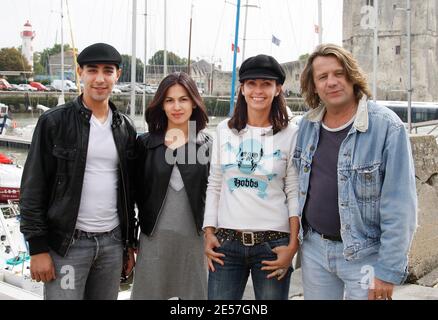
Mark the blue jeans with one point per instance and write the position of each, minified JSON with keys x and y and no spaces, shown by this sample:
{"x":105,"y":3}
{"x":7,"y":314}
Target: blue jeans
{"x":228,"y":281}
{"x":327,"y":275}
{"x":91,"y":269}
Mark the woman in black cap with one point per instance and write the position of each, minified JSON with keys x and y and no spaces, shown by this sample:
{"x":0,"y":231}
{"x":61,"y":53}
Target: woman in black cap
{"x":251,"y":219}
{"x":171,"y":180}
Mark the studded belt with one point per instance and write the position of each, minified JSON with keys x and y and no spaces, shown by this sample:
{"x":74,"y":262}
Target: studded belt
{"x":250,"y":239}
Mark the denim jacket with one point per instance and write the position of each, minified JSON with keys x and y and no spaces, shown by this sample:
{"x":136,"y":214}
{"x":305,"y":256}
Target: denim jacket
{"x":376,"y":186}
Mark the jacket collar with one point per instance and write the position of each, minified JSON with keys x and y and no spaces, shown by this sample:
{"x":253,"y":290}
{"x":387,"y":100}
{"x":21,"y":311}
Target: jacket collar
{"x":86,"y":113}
{"x":155,"y":140}
{"x":361,"y":123}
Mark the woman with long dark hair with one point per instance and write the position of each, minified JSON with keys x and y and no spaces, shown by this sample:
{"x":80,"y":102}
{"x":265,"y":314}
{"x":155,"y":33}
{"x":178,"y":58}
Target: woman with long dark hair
{"x":251,"y":219}
{"x":171,"y":181}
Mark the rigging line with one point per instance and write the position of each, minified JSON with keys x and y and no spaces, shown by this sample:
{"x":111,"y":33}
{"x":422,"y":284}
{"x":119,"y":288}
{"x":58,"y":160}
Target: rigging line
{"x":333,"y":16}
{"x":218,"y":30}
{"x":265,"y":23}
{"x":103,"y":17}
{"x":127,"y":27}
{"x":297,"y":48}
{"x":47,"y":28}
{"x":321,"y":27}
{"x":256,"y":39}
{"x":30,"y":8}
{"x":78,"y":85}
{"x":111,"y":19}
{"x":90,"y":21}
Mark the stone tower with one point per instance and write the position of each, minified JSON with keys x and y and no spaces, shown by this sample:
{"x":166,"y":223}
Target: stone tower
{"x":392,"y":59}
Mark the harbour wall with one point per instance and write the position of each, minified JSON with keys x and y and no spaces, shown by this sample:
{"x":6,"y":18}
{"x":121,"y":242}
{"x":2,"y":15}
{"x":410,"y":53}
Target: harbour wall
{"x":423,"y":256}
{"x":217,"y":106}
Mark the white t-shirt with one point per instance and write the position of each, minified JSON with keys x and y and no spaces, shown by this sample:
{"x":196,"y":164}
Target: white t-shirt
{"x":253,"y":184}
{"x":98,"y":208}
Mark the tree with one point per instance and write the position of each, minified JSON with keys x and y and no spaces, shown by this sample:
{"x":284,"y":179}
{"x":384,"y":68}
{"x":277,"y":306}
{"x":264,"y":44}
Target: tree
{"x":12,"y":60}
{"x":38,"y":67}
{"x":126,"y":69}
{"x":41,"y":59}
{"x":172,"y":59}
{"x":304,"y":57}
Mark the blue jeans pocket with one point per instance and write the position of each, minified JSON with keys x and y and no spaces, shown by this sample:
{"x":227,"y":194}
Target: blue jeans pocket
{"x":276,"y":243}
{"x":269,"y":245}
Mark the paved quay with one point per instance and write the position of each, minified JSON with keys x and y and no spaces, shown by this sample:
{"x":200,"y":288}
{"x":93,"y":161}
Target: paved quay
{"x":404,"y":292}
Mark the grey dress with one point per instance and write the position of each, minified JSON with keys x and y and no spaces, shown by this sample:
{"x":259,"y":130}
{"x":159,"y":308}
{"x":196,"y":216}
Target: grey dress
{"x":171,"y":262}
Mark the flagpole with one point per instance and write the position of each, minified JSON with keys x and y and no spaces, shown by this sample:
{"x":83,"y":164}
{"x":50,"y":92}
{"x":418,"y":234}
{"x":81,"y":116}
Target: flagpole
{"x":244,"y":31}
{"x":133,"y":58}
{"x":236,"y":46}
{"x":409,"y":27}
{"x":375,"y":49}
{"x":165,"y":40}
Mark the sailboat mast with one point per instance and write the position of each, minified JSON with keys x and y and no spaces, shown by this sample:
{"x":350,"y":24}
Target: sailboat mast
{"x":236,"y":46}
{"x":133,"y":57}
{"x":189,"y":71}
{"x":145,"y":59}
{"x":74,"y":50}
{"x":376,"y":46}
{"x":62,"y":52}
{"x":408,"y":12}
{"x":320,"y":21}
{"x":165,"y":40}
{"x":244,"y":31}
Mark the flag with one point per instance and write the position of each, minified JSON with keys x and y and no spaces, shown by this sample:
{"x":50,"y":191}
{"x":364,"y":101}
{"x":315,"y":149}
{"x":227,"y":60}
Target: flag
{"x":232,"y":48}
{"x":276,"y":41}
{"x":317,"y":29}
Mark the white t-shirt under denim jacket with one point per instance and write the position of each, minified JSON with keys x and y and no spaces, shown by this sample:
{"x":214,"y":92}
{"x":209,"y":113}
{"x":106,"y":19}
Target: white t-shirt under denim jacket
{"x":253,"y":184}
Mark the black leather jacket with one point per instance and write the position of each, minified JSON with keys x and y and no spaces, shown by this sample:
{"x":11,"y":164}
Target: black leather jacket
{"x":153,"y":176}
{"x":53,"y":175}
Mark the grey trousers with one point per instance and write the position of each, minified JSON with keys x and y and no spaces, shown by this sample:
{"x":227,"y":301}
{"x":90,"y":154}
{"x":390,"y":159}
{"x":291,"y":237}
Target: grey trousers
{"x":90,"y":271}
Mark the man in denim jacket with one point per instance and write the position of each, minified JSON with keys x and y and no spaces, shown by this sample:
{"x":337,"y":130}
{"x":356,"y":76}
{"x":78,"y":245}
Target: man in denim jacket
{"x":357,"y":194}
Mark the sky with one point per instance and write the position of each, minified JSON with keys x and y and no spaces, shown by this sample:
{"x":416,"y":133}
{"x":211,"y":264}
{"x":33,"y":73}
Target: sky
{"x":110,"y":21}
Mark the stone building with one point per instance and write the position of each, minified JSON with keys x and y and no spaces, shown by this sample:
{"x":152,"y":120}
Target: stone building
{"x":293,"y":72}
{"x":392,"y":58}
{"x":69,"y":66}
{"x":209,"y":78}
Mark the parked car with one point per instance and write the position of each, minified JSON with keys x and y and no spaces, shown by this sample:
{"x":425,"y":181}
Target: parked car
{"x":27,"y":87}
{"x":68,"y":85}
{"x":16,"y":87}
{"x":39,"y":86}
{"x":51,"y":88}
{"x":127,"y":88}
{"x":5,"y":85}
{"x":149,"y":89}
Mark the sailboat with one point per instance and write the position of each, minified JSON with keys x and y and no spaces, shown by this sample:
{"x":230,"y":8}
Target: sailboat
{"x":15,"y":279}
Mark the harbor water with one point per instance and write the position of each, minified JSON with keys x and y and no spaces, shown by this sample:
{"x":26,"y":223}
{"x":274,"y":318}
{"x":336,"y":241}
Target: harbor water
{"x":25,"y":122}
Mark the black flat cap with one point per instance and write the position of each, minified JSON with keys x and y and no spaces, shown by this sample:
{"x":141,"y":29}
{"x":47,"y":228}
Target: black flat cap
{"x":99,"y":53}
{"x":262,"y":67}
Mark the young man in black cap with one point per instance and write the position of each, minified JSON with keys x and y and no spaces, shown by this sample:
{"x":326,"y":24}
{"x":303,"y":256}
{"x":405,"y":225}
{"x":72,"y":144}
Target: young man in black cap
{"x":76,"y":207}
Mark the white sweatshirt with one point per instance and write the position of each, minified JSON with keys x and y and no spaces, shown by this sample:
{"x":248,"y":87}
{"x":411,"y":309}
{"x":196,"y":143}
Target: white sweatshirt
{"x":253,"y":184}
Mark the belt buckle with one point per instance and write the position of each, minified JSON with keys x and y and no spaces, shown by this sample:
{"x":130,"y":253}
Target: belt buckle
{"x":244,"y":237}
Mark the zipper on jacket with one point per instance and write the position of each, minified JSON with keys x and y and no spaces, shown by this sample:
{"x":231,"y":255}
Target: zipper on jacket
{"x":83,"y":174}
{"x":126,"y":206}
{"x":124,"y":190}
